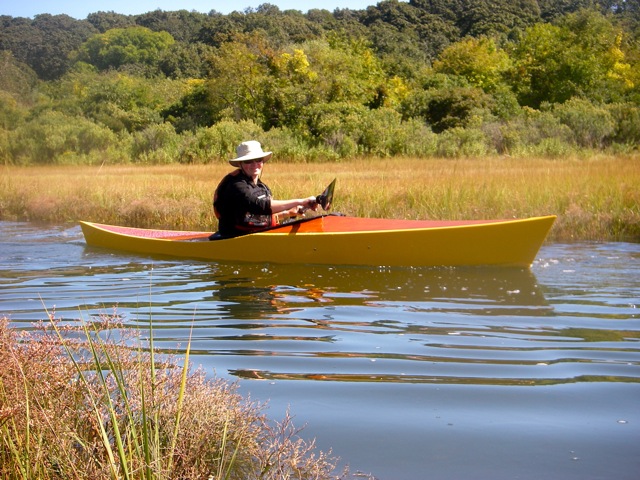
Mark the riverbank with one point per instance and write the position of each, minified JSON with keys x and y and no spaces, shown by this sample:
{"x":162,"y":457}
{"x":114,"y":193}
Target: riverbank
{"x":137,"y":417}
{"x":595,"y":198}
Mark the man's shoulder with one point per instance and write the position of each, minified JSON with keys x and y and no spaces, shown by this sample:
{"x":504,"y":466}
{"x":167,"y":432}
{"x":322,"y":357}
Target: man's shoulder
{"x":232,"y":178}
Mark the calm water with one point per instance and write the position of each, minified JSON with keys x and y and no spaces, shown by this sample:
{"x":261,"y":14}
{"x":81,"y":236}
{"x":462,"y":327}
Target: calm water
{"x":404,"y":374}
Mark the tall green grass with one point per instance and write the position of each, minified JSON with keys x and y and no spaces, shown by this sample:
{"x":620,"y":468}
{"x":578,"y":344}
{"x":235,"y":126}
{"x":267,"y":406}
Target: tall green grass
{"x":77,"y":404}
{"x":595,"y":198}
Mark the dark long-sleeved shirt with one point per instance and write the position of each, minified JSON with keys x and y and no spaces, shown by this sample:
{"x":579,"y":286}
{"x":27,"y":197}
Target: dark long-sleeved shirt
{"x":241,"y":206}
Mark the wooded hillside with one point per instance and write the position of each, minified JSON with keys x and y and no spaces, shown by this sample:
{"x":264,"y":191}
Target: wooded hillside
{"x":423,"y":78}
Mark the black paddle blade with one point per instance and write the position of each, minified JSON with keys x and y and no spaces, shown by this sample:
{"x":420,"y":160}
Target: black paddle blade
{"x":326,"y":198}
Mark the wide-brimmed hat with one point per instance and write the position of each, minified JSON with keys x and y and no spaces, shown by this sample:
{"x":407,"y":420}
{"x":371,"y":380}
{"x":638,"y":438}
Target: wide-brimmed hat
{"x":250,"y":150}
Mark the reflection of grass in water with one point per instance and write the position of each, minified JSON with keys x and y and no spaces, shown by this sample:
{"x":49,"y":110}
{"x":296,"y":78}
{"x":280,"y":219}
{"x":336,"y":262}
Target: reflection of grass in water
{"x":76,"y":405}
{"x":430,"y":379}
{"x":595,"y":198}
{"x":598,"y":335}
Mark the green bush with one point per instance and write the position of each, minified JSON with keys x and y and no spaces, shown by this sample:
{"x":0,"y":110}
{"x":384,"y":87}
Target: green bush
{"x":287,"y":146}
{"x":217,"y":142}
{"x":378,"y":133}
{"x":591,"y":125}
{"x":417,"y":139}
{"x":449,"y":107}
{"x":11,"y":114}
{"x":535,"y":133}
{"x":4,"y":146}
{"x":155,"y":144}
{"x":463,"y":142}
{"x":626,"y":119}
{"x":54,"y":137}
{"x":125,"y":46}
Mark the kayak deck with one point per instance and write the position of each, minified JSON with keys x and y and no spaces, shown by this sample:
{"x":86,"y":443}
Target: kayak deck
{"x":320,"y":224}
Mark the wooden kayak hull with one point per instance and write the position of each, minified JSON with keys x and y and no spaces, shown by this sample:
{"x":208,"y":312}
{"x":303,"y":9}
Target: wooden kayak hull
{"x":342,"y":240}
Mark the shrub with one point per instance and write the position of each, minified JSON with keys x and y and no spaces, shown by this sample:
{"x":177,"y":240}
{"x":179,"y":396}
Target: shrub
{"x":626,"y":119}
{"x":330,"y":124}
{"x":418,"y":139}
{"x":218,"y":141}
{"x":155,"y":144}
{"x":449,"y":106}
{"x":591,"y":125}
{"x":463,"y":142}
{"x":379,"y":133}
{"x":536,"y":133}
{"x":11,"y":114}
{"x":53,"y":137}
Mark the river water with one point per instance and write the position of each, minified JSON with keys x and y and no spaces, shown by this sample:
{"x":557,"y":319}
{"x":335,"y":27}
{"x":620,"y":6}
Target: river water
{"x":402,"y":373}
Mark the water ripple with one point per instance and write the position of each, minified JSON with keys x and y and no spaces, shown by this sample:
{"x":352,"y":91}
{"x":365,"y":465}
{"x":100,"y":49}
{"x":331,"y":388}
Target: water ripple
{"x":573,"y":318}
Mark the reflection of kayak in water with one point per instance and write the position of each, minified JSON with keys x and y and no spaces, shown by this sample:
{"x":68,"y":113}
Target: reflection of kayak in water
{"x":258,"y":292}
{"x":483,"y":287}
{"x":342,"y":240}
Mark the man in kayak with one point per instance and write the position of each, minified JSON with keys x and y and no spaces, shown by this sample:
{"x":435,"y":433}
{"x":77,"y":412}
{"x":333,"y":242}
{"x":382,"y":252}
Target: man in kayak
{"x":243,"y":203}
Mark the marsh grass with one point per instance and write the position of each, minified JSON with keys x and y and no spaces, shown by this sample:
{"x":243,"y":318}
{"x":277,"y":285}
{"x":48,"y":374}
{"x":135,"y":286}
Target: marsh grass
{"x":595,"y":198}
{"x":77,"y":404}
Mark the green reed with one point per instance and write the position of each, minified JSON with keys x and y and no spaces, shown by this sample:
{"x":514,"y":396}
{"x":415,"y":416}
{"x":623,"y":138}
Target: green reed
{"x":595,"y":198}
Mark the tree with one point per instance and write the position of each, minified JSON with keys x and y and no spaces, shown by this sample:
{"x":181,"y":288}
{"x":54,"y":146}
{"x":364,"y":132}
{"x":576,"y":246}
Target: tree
{"x":45,"y":43}
{"x":185,"y":60}
{"x":237,"y":76}
{"x":183,"y":25}
{"x":482,"y":17}
{"x":125,"y":46}
{"x":119,"y":101}
{"x":290,"y":88}
{"x":478,"y":60}
{"x":579,"y":56}
{"x":401,"y":28}
{"x":346,"y":69}
{"x":104,"y":21}
{"x":16,"y":78}
{"x":494,"y":17}
{"x":446,"y":102}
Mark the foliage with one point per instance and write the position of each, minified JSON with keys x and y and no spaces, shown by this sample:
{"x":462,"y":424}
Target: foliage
{"x":578,"y":56}
{"x":124,"y":46}
{"x":16,"y":79}
{"x":448,"y":103}
{"x":479,"y":60}
{"x":327,"y":85}
{"x":44,"y":43}
{"x":592,"y":126}
{"x":626,"y":117}
{"x":58,"y":138}
{"x":536,"y":133}
{"x":119,"y":101}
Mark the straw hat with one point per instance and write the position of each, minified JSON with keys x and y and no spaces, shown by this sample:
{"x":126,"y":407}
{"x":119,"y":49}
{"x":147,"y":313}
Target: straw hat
{"x":250,"y":150}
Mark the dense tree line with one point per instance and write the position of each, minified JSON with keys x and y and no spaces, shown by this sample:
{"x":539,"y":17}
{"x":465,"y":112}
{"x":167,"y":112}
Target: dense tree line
{"x":420,"y":78}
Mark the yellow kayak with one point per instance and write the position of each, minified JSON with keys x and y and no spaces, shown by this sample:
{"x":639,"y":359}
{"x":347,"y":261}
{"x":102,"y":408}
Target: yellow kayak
{"x":344,"y":240}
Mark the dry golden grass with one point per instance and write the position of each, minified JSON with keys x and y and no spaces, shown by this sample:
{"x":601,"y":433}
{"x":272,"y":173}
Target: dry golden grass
{"x":79,"y":407}
{"x":595,"y":198}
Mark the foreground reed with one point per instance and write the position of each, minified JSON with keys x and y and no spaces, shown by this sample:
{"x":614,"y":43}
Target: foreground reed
{"x":76,"y":404}
{"x":595,"y":198}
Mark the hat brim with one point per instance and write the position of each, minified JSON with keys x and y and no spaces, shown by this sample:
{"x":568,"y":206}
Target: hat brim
{"x":251,"y":156}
